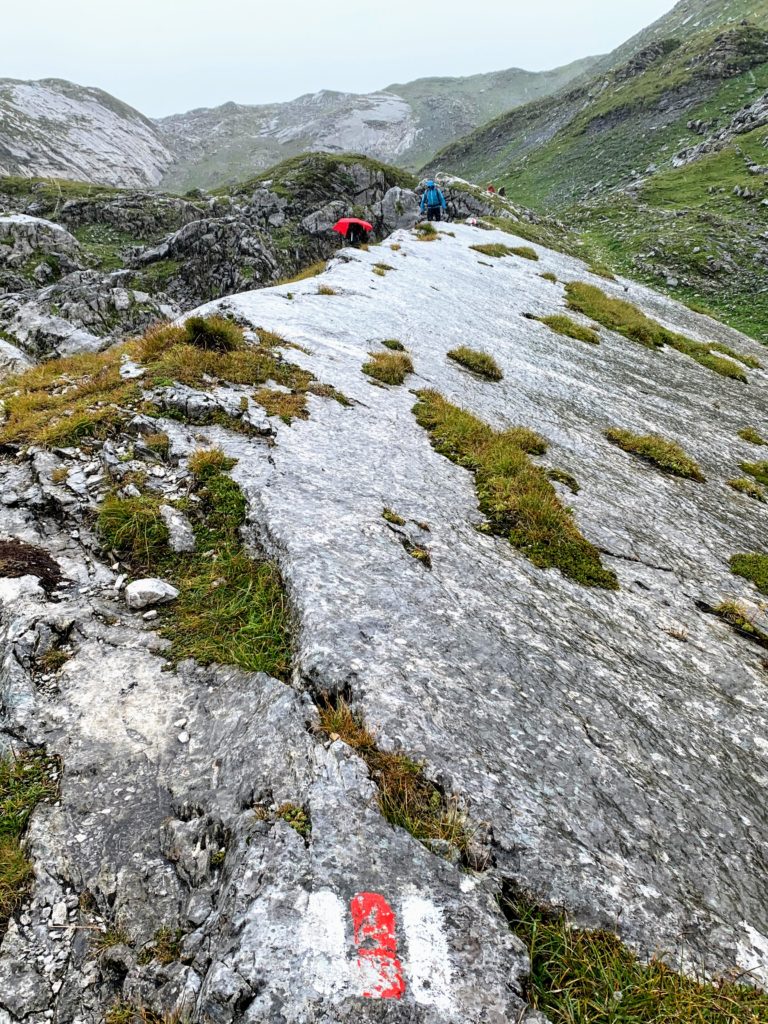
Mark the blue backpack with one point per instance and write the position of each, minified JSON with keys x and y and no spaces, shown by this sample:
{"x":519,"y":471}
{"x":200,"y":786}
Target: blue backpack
{"x":433,"y":196}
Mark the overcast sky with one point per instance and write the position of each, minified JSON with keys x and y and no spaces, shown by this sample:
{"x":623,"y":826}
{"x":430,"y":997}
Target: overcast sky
{"x":168,"y":56}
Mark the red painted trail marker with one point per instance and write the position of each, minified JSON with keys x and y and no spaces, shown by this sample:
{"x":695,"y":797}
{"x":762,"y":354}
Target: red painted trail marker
{"x":376,"y":941}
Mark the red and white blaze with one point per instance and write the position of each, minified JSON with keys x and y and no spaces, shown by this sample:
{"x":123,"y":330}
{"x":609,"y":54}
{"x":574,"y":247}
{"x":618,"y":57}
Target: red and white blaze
{"x":364,"y":950}
{"x":375,"y":936}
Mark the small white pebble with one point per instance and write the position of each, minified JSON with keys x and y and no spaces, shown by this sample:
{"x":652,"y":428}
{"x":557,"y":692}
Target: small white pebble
{"x":184,"y":736}
{"x":149,"y":616}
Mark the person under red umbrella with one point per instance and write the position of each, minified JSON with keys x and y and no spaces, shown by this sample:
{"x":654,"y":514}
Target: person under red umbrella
{"x":355,"y":231}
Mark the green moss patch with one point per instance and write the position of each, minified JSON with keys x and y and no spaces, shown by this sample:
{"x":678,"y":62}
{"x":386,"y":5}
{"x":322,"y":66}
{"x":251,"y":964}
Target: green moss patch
{"x":752,"y":436}
{"x":753,"y":567}
{"x":591,"y":977}
{"x":549,"y":276}
{"x":393,"y":517}
{"x":388,"y":367}
{"x":25,"y":780}
{"x":748,"y":487}
{"x":564,"y":325}
{"x":515,"y":495}
{"x":665,"y":455}
{"x":393,"y":345}
{"x":759,"y":470}
{"x":478,"y":362}
{"x":625,"y":318}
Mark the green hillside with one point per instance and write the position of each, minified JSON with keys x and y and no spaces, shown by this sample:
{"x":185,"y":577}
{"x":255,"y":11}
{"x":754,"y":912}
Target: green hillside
{"x":657,"y":162}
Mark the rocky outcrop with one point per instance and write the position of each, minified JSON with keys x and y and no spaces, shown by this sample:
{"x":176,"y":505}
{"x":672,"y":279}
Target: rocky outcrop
{"x":605,"y":742}
{"x":145,"y":257}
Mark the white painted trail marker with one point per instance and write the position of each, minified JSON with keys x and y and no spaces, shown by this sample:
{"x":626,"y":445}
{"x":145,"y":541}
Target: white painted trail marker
{"x":372,"y":968}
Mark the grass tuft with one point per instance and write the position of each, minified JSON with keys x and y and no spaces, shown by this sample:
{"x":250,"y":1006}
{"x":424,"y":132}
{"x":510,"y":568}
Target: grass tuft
{"x":406,"y":797}
{"x":562,"y":324}
{"x":478,"y":362}
{"x":626,"y":319}
{"x":393,"y":517}
{"x":134,"y":529}
{"x":665,"y":455}
{"x":326,"y":289}
{"x":497,"y":250}
{"x":590,"y":977}
{"x":288,"y":405}
{"x":426,"y":232}
{"x":209,"y":462}
{"x":752,"y":435}
{"x":759,"y":470}
{"x":313,"y":270}
{"x":748,"y":487}
{"x":164,"y":949}
{"x":25,"y":780}
{"x":549,"y":276}
{"x":213,"y":334}
{"x":514,"y":494}
{"x":737,"y":616}
{"x":753,"y":567}
{"x":393,"y":345}
{"x":388,"y":367}
{"x":231,"y":609}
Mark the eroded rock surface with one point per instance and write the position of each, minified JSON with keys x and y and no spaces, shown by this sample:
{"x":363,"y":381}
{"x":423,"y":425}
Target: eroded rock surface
{"x":611,"y":743}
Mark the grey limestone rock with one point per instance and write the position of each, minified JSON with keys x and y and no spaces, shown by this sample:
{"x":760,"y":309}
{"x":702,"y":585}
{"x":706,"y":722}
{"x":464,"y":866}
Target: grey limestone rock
{"x":146,"y":593}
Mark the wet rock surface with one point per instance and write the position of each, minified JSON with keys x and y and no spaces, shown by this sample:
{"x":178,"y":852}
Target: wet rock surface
{"x":82,"y":270}
{"x":610,"y":744}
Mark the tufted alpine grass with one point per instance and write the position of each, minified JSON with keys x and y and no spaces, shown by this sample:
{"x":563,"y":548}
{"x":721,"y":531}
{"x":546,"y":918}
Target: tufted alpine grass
{"x":748,"y":487}
{"x":481,"y":363}
{"x":752,"y":436}
{"x":665,"y":455}
{"x":25,"y":780}
{"x":406,"y":797}
{"x":388,"y":367}
{"x":515,"y":495}
{"x":68,"y":401}
{"x":759,"y":470}
{"x":624,"y":318}
{"x":737,"y":616}
{"x":564,"y":325}
{"x":231,"y":608}
{"x":581,"y":976}
{"x":497,"y":250}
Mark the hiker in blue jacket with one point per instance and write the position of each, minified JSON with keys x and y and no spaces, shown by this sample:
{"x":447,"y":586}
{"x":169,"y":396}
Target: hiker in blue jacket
{"x":433,"y":201}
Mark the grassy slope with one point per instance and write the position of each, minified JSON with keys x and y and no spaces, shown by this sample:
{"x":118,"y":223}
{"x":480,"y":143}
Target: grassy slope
{"x":584,"y":152}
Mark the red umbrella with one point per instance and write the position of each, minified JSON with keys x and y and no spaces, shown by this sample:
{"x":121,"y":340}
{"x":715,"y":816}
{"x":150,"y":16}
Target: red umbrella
{"x":345,"y":223}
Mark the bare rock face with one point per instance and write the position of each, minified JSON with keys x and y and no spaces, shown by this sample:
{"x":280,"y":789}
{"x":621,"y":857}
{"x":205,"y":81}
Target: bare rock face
{"x":610,"y":744}
{"x":56,"y":129}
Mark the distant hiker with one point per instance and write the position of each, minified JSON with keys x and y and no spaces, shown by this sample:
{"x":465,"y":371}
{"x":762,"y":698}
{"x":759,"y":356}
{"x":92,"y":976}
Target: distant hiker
{"x":354,"y":230}
{"x":491,"y":188}
{"x":433,"y":201}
